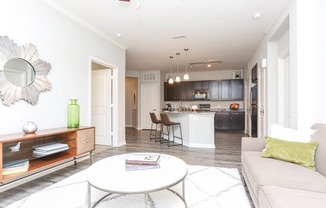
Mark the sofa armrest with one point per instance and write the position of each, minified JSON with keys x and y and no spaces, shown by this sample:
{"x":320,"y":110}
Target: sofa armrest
{"x":252,"y":144}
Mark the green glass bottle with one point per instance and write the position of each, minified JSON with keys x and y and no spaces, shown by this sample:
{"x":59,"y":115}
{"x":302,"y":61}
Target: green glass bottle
{"x":73,"y":114}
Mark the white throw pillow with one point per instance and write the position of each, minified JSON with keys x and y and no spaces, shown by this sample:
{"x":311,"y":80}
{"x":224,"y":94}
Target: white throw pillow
{"x":287,"y":134}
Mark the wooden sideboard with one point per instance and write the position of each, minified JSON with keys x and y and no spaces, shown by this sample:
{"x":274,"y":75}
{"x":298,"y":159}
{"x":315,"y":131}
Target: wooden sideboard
{"x":80,"y":143}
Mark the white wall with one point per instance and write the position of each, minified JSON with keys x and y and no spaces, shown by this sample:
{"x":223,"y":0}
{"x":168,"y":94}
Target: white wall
{"x":311,"y":53}
{"x":307,"y":41}
{"x":67,"y":46}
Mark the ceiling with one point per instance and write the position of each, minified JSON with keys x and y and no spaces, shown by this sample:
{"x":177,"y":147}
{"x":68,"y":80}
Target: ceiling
{"x":212,"y":30}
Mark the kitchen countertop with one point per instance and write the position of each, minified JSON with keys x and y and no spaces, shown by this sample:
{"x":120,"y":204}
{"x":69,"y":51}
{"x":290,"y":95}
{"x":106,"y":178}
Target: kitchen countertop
{"x":228,"y":111}
{"x":190,"y":112}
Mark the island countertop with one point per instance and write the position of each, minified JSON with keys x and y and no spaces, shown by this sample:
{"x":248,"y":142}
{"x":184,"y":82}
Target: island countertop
{"x":197,"y":128}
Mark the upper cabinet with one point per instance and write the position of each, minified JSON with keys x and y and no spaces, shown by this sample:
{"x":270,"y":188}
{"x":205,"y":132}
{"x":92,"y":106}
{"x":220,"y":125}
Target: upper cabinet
{"x":178,"y":91}
{"x":236,"y":92}
{"x":201,"y":85}
{"x":188,"y":89}
{"x":231,"y":89}
{"x":224,"y":90}
{"x":214,"y":90}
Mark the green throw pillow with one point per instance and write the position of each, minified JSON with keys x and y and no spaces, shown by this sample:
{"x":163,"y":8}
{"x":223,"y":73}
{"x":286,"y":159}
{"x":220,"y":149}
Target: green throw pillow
{"x":296,"y":152}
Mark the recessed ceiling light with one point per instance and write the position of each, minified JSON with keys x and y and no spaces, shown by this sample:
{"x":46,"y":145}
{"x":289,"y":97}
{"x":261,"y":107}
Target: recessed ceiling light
{"x":119,"y":35}
{"x":257,"y":15}
{"x":178,"y":36}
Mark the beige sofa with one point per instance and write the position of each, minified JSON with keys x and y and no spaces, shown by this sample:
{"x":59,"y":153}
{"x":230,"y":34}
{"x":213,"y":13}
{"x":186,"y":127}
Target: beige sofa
{"x":279,"y":184}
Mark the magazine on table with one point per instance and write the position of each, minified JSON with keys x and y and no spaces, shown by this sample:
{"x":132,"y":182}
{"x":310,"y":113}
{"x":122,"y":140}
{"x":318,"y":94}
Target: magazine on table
{"x":143,"y":159}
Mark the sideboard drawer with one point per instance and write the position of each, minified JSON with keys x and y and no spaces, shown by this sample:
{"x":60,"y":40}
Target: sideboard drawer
{"x":85,"y":140}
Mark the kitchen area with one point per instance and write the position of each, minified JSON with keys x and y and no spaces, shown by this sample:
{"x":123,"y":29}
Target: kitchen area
{"x":205,"y":107}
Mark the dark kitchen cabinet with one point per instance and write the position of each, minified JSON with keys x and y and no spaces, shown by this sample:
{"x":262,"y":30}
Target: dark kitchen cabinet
{"x":169,"y":91}
{"x":222,"y":120}
{"x":224,"y":89}
{"x":188,"y":88}
{"x":201,"y":85}
{"x":229,"y":120}
{"x":231,"y":89}
{"x":236,"y":89}
{"x":214,"y":90}
{"x":178,"y":91}
{"x":237,"y":120}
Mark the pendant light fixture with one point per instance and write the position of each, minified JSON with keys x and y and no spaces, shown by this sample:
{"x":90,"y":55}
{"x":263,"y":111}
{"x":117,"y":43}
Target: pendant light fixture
{"x":186,"y":76}
{"x":177,"y":78}
{"x":170,"y":79}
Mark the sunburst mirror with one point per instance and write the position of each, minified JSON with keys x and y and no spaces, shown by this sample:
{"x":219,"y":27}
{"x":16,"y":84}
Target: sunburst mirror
{"x":23,"y":75}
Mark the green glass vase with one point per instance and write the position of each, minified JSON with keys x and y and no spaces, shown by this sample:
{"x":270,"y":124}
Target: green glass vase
{"x":73,"y":114}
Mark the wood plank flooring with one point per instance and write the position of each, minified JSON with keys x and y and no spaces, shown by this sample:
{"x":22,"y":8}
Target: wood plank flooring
{"x":226,"y":154}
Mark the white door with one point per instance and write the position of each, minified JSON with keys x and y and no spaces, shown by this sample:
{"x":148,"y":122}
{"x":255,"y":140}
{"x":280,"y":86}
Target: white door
{"x":101,"y":106}
{"x":149,"y":103}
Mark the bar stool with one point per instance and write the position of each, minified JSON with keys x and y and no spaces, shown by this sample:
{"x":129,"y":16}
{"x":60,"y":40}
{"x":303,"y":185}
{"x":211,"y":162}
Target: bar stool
{"x":166,"y":122}
{"x":153,"y":132}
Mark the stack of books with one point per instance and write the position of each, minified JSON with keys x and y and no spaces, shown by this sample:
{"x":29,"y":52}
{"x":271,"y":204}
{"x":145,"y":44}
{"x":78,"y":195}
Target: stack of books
{"x":142,"y":162}
{"x":16,"y":166}
{"x":49,"y":149}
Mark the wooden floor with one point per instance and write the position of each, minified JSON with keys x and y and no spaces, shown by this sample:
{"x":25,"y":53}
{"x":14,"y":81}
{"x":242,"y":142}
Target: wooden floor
{"x":226,"y":154}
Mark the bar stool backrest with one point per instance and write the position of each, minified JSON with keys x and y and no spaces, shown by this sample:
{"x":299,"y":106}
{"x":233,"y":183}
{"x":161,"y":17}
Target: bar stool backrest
{"x":165,"y":119}
{"x":154,"y":118}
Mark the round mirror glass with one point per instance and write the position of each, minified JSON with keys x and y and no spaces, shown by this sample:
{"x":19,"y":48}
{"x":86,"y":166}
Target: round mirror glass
{"x":19,"y":72}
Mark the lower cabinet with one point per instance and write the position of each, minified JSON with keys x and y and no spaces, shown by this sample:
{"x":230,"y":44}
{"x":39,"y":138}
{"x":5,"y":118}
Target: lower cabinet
{"x":237,"y":120}
{"x":228,"y":120}
{"x":222,"y":120}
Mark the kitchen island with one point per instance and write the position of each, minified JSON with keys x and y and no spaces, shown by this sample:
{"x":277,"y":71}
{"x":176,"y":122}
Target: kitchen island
{"x":197,"y":128}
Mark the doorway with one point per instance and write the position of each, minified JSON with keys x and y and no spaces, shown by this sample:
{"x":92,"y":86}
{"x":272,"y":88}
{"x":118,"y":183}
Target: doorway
{"x":131,"y":102}
{"x":101,"y":103}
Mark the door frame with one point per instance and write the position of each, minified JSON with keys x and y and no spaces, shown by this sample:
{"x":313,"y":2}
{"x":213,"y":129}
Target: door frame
{"x":261,"y":100}
{"x":115,"y":94}
{"x":137,"y":75}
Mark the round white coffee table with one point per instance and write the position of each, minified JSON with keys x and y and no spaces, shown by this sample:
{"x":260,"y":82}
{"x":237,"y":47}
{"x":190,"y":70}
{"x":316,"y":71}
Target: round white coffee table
{"x":110,"y":175}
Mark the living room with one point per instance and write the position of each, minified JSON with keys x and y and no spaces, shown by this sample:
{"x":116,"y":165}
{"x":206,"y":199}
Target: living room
{"x":70,"y":48}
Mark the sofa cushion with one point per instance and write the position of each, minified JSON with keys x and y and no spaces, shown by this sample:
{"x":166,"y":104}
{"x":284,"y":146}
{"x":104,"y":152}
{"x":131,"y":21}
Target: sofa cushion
{"x":288,"y":134}
{"x":272,"y":196}
{"x":266,"y":171}
{"x":320,"y":137}
{"x":296,"y":152}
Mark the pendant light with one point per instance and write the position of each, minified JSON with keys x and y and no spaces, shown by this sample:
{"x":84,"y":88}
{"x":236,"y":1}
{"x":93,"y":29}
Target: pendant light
{"x":170,"y":79}
{"x":177,"y":78}
{"x":186,"y":76}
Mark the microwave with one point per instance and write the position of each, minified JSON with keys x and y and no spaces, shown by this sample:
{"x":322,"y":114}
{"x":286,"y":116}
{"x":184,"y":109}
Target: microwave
{"x":201,"y":95}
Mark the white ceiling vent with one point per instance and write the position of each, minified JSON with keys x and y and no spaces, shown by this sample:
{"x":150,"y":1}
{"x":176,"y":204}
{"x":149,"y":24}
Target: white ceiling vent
{"x":149,"y":76}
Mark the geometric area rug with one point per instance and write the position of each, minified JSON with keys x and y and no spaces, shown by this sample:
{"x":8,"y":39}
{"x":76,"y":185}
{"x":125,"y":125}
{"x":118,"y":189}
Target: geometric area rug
{"x":205,"y":187}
